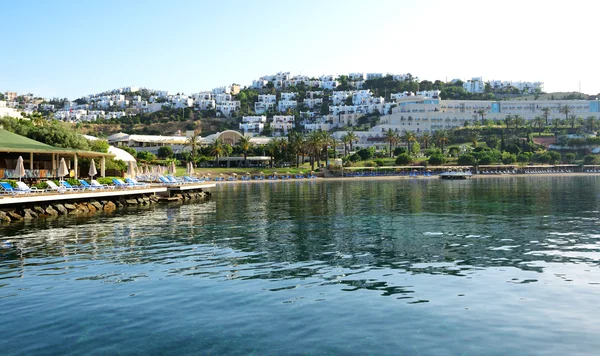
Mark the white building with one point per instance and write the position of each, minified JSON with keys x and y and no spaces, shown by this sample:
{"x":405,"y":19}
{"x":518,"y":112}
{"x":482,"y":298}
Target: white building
{"x":227,"y":108}
{"x":357,"y":76}
{"x":254,"y":124}
{"x":205,"y":104}
{"x":313,"y":103}
{"x":282,"y":124}
{"x":259,"y":84}
{"x":371,"y":76}
{"x":339,"y":97}
{"x":284,"y":105}
{"x":288,"y":96}
{"x":360,"y":95}
{"x":399,"y":77}
{"x":329,"y":84}
{"x":475,"y":85}
{"x":222,"y":97}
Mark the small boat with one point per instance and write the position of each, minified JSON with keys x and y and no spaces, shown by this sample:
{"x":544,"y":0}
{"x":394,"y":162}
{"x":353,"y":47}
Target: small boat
{"x":456,"y":175}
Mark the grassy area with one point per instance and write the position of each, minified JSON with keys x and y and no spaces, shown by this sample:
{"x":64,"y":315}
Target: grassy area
{"x":242,"y":171}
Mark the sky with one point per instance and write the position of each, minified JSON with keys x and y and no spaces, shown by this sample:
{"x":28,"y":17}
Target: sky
{"x":73,"y":48}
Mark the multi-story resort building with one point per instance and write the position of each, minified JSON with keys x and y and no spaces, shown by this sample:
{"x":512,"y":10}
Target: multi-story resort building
{"x":253,"y":124}
{"x":420,"y":114}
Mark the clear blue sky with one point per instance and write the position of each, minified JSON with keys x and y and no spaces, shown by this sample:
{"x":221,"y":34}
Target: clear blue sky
{"x":74,"y":48}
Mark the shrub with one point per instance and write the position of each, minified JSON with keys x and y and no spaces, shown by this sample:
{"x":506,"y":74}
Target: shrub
{"x":403,"y":158}
{"x":524,"y":158}
{"x":570,"y":157}
{"x":146,"y":156}
{"x":509,"y":158}
{"x":436,"y":159}
{"x":554,"y":156}
{"x":41,"y":185}
{"x":466,"y":160}
{"x":379,"y":162}
{"x":354,"y":158}
{"x":365,"y":153}
{"x":165,"y":152}
{"x":589,"y":159}
{"x":106,"y":180}
{"x":486,"y":159}
{"x":12,"y":183}
{"x":399,"y":150}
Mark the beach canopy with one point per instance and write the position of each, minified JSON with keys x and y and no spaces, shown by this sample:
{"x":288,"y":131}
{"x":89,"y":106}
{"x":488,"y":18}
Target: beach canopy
{"x":62,"y":168}
{"x":92,"y":172}
{"x":20,"y":169}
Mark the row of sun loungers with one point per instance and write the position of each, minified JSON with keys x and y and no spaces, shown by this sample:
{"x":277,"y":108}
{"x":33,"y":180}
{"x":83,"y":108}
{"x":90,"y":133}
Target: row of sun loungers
{"x":548,"y":171}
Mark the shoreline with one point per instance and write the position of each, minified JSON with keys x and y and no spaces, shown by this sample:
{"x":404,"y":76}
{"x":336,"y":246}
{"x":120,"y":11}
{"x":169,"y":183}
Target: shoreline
{"x":475,"y":176}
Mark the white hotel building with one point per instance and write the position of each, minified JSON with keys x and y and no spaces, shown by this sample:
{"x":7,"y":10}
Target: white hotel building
{"x":420,"y":114}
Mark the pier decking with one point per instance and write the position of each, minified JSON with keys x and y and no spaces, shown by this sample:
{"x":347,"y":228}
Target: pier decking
{"x":19,"y":199}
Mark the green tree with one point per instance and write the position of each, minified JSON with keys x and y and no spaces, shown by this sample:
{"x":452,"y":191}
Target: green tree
{"x":570,"y":157}
{"x":425,"y":139}
{"x":193,"y":142}
{"x":99,"y":146}
{"x":392,"y":138}
{"x":467,"y":159}
{"x":244,"y":145}
{"x":589,"y":159}
{"x":409,"y":137}
{"x":403,"y":159}
{"x":165,"y":152}
{"x":217,"y":149}
{"x":565,"y":109}
{"x":546,"y":113}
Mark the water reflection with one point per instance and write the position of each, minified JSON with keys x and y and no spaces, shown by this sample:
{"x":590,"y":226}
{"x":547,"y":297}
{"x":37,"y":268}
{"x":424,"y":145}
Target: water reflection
{"x":327,"y":232}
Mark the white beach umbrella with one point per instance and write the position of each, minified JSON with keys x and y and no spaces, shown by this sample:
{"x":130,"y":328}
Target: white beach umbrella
{"x":62,"y":168}
{"x":130,"y":169}
{"x":20,"y":169}
{"x":92,"y":172}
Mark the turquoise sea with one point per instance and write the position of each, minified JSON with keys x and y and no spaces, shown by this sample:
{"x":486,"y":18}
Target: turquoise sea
{"x":489,"y":266}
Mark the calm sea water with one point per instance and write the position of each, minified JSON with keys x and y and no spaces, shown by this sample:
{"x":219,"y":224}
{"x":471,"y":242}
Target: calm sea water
{"x":487,"y":266}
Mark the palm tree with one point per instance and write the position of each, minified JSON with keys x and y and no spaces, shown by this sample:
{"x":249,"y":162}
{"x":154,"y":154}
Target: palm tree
{"x":295,"y":143}
{"x":193,"y":142}
{"x":481,"y":113}
{"x":325,"y":143}
{"x":572,"y":120}
{"x":590,"y":123}
{"x":409,"y":137}
{"x":425,"y":138}
{"x":390,"y":137}
{"x":565,"y":109}
{"x":518,"y":120}
{"x":334,"y":143}
{"x":441,"y":137}
{"x":508,"y":120}
{"x":546,"y":113}
{"x":217,"y":149}
{"x":352,"y":138}
{"x":474,"y":137}
{"x":244,"y":145}
{"x":314,"y":146}
{"x":272,"y":147}
{"x":538,"y":121}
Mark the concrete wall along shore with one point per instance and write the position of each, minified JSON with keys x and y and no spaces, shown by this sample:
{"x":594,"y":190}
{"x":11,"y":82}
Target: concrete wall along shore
{"x":85,"y":207}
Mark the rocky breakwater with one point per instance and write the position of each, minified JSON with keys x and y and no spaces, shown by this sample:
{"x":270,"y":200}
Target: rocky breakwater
{"x":48,"y":209}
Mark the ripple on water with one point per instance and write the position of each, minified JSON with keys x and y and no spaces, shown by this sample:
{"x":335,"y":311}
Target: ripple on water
{"x":385,"y":267}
